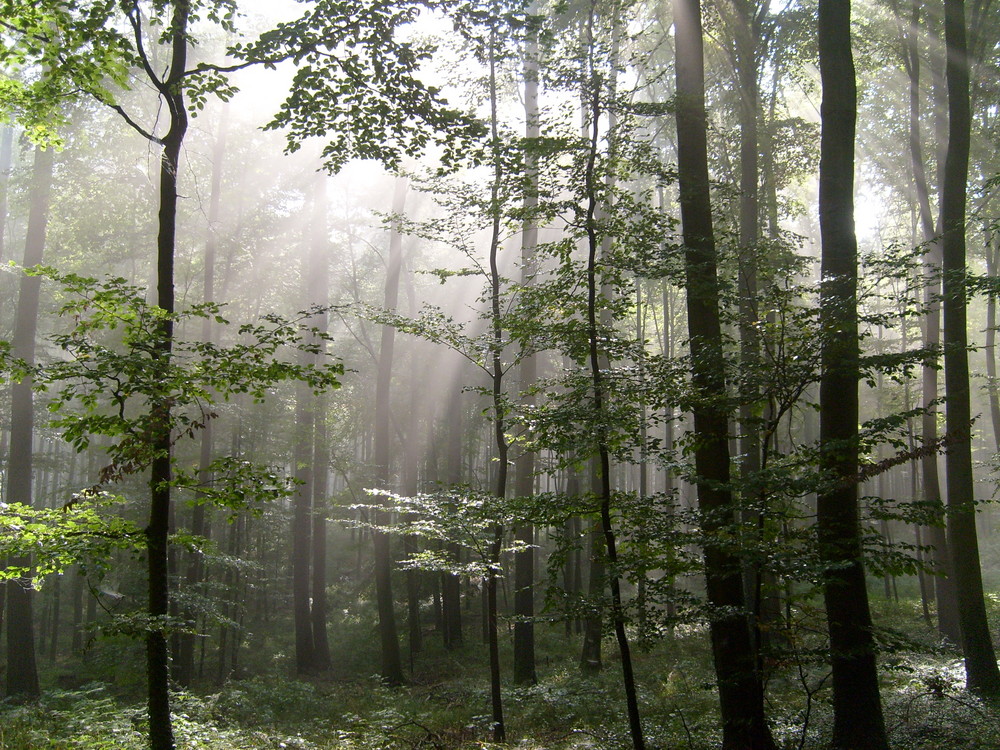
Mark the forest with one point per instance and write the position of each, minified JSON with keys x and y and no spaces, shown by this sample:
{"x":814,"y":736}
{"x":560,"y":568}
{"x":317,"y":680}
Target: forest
{"x":470,"y":373}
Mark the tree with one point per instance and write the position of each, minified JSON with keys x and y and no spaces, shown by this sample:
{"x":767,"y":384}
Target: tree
{"x":524,"y":465}
{"x":392,"y":669}
{"x":981,"y":672}
{"x":858,"y":721}
{"x":22,"y":673}
{"x":741,"y":692}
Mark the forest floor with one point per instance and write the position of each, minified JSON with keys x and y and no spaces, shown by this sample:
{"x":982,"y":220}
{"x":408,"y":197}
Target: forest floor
{"x":446,"y":704}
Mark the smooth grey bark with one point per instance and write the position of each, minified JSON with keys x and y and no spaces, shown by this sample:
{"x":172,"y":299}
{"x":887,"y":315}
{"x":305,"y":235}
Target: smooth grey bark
{"x":302,"y":455}
{"x":22,"y":670}
{"x":451,"y":584}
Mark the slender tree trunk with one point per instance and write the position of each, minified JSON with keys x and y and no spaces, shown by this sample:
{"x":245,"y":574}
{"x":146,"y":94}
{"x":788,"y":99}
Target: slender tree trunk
{"x":6,"y":159}
{"x":392,"y":669}
{"x":184,"y":667}
{"x":22,"y":671}
{"x":157,"y":657}
{"x":947,"y":607}
{"x":524,"y":466}
{"x":595,"y":290}
{"x":858,"y":722}
{"x":302,"y":510}
{"x":981,"y":673}
{"x":499,"y":423}
{"x":992,"y":248}
{"x":76,"y":647}
{"x":451,"y":584}
{"x":741,"y":692}
{"x":593,"y":624}
{"x":319,"y":295}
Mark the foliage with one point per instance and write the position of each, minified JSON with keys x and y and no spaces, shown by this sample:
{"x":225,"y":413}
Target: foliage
{"x":357,"y":84}
{"x":107,"y":373}
{"x":60,"y":537}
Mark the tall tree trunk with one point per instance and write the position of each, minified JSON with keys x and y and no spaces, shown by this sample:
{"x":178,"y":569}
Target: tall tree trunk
{"x":157,"y":659}
{"x":992,"y":248}
{"x":22,"y":671}
{"x":319,"y":281}
{"x":741,"y":692}
{"x":981,"y":673}
{"x":451,"y":584}
{"x":524,"y":466}
{"x":302,"y":521}
{"x":499,"y":423}
{"x":184,"y":666}
{"x":6,"y":158}
{"x":597,"y":321}
{"x":392,"y":668}
{"x":947,"y":607}
{"x":76,"y":647}
{"x":858,"y":722}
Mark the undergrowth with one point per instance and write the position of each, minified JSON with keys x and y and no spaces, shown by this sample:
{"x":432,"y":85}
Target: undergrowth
{"x":446,"y":705}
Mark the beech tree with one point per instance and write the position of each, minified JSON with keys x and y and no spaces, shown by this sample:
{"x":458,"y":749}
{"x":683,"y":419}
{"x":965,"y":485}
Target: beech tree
{"x":858,"y":719}
{"x":741,"y":692}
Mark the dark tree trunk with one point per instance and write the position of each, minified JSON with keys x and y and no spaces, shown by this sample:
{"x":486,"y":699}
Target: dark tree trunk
{"x":858,"y":721}
{"x":305,"y":424}
{"x":499,"y":423}
{"x":184,"y":666}
{"x":741,"y":692}
{"x":6,"y":158}
{"x":947,"y":607}
{"x":22,"y":671}
{"x":524,"y":466}
{"x":160,"y":518}
{"x":981,"y":673}
{"x":319,"y":295}
{"x":77,"y":617}
{"x":597,"y":359}
{"x":392,"y":668}
{"x":157,"y":658}
{"x":451,"y":584}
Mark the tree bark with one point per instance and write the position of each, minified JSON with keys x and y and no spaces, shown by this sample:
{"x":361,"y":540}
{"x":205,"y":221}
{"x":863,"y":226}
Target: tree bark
{"x":392,"y":669}
{"x":184,"y":666}
{"x":524,"y":465}
{"x":981,"y":672}
{"x":157,"y":658}
{"x":319,"y":282}
{"x":22,"y":670}
{"x":858,"y":721}
{"x":741,"y":693}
